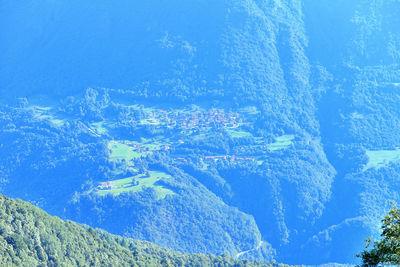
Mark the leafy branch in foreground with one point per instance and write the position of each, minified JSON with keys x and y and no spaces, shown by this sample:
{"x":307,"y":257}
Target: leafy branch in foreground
{"x":387,"y":250}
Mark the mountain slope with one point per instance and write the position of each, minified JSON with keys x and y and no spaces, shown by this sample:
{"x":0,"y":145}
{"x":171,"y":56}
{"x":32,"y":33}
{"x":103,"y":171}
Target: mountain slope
{"x":236,"y":54}
{"x":31,"y":237}
{"x":225,"y":125}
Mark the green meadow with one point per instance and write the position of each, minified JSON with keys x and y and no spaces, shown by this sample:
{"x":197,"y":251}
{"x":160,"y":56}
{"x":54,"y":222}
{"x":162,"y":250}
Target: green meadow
{"x":251,"y":110}
{"x":138,"y":183}
{"x":99,"y":127}
{"x":125,"y":151}
{"x":238,"y":133}
{"x":381,"y":158}
{"x":120,"y":152}
{"x":43,"y":113}
{"x":281,"y":142}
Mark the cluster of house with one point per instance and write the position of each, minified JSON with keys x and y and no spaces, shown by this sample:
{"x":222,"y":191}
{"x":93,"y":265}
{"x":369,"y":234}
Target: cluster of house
{"x":142,"y":148}
{"x":105,"y":186}
{"x":192,"y":120}
{"x":231,"y":158}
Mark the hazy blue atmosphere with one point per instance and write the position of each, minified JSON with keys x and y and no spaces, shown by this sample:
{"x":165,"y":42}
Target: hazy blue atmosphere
{"x":266,"y":130}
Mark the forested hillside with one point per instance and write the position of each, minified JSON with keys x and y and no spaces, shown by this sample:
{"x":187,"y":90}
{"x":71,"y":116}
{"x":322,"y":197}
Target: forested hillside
{"x":31,"y":237}
{"x":261,"y":129}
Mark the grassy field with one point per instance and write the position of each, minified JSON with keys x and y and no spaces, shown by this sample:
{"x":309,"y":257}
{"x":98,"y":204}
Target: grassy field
{"x":199,"y":137}
{"x":120,"y":151}
{"x":138,"y":183}
{"x":381,"y":158}
{"x":124,"y":150}
{"x":57,"y":122}
{"x":99,"y":127}
{"x":251,"y":110}
{"x":150,"y":122}
{"x":43,"y":113}
{"x":281,"y":142}
{"x":238,"y":134}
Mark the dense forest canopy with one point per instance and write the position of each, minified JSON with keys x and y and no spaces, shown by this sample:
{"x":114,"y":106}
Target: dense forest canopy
{"x":31,"y":237}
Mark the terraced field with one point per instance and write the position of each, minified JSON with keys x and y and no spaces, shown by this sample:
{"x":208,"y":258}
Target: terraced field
{"x":281,"y":142}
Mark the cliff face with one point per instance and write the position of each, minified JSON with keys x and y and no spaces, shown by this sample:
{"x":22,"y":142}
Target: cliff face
{"x":324,"y":72}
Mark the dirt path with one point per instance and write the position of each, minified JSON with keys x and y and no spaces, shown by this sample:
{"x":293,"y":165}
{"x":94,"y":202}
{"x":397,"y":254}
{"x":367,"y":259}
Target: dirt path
{"x":247,"y":251}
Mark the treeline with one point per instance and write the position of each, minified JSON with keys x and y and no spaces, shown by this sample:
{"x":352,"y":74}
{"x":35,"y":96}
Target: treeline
{"x":31,"y":237}
{"x":35,"y":146}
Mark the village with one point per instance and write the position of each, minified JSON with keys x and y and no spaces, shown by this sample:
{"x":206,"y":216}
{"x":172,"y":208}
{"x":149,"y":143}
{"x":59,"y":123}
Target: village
{"x":105,"y":185}
{"x":193,"y":120}
{"x":191,"y":125}
{"x":187,"y":122}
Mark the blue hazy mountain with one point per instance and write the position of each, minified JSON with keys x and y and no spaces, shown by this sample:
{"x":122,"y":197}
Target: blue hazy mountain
{"x":261,"y":129}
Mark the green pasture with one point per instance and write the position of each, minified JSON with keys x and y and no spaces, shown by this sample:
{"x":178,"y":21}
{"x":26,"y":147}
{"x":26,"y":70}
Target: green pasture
{"x":205,"y":166}
{"x":57,"y":122}
{"x":51,"y":119}
{"x":149,"y":122}
{"x":141,"y":107}
{"x":381,"y":158}
{"x":238,"y":133}
{"x":186,"y":132}
{"x":120,"y":151}
{"x":43,"y":113}
{"x":281,"y":142}
{"x":99,"y":127}
{"x":41,"y":109}
{"x":251,"y":110}
{"x":128,"y":185}
{"x":151,"y":144}
{"x":199,"y":137}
